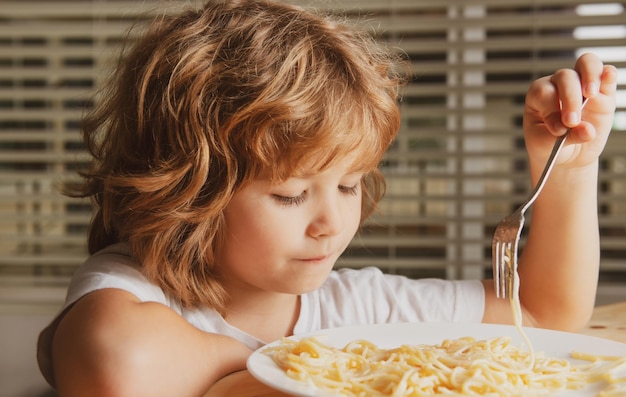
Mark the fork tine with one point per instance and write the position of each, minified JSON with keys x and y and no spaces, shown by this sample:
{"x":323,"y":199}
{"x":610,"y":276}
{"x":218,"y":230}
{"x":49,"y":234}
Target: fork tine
{"x":509,"y":263}
{"x":498,"y":267}
{"x":507,"y":270}
{"x":513,"y":263}
{"x":494,"y":266}
{"x":503,"y":267}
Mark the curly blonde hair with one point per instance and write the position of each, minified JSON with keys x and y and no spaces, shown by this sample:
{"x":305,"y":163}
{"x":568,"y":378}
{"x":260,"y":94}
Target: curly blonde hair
{"x":211,"y":98}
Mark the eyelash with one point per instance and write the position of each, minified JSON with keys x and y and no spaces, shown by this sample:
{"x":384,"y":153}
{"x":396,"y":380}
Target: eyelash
{"x":351,"y":190}
{"x":289,"y":201}
{"x":297,"y":200}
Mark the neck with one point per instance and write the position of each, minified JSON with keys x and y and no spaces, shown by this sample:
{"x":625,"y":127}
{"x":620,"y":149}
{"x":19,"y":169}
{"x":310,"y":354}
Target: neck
{"x":267,"y":316}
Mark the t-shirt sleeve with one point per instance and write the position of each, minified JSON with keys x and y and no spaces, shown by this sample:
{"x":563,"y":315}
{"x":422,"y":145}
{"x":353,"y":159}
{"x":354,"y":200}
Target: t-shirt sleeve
{"x":436,"y":299}
{"x":368,"y":296}
{"x":112,"y":268}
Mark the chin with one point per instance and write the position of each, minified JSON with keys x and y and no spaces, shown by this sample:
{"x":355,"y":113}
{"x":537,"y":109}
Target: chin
{"x":304,"y":286}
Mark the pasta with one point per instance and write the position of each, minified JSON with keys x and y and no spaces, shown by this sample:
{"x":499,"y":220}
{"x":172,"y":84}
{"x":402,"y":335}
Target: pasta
{"x":456,"y":367}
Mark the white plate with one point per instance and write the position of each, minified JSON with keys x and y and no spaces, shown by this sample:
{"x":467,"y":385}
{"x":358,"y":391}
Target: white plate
{"x":553,"y":343}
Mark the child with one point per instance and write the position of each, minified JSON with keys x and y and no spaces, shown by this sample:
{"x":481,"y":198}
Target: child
{"x":235,"y":157}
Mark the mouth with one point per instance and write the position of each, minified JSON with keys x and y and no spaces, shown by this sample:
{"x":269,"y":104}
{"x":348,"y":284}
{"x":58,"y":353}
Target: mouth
{"x":316,"y":259}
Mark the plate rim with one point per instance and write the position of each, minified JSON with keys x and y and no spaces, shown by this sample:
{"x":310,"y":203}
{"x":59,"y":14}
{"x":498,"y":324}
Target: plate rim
{"x":255,"y":362}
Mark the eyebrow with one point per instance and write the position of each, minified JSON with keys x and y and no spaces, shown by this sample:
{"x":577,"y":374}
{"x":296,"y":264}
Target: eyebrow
{"x":308,"y":174}
{"x":355,"y":168}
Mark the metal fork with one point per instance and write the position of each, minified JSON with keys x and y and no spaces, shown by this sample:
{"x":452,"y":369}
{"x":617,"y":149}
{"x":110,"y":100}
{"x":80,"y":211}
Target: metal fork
{"x":507,"y":234}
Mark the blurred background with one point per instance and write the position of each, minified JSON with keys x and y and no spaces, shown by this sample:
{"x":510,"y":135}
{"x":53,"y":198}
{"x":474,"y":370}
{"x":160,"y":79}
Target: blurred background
{"x":457,"y":167}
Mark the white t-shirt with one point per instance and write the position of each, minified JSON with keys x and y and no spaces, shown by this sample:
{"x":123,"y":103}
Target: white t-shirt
{"x":347,"y":297}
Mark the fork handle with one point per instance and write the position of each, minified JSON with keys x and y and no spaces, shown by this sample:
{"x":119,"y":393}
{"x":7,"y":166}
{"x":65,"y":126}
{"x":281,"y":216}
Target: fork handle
{"x":556,"y":149}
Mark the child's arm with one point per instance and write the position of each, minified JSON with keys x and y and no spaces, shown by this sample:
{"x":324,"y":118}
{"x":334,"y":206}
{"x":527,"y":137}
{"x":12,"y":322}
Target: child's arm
{"x":110,"y":344}
{"x":559,"y":265}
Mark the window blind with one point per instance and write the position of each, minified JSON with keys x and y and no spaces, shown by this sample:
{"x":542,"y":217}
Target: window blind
{"x":457,"y":167}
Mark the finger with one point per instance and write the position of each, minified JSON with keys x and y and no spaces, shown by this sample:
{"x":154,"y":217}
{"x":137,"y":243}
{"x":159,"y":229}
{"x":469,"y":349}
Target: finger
{"x":542,"y":97}
{"x":582,"y":133}
{"x":554,"y":124}
{"x":589,"y":67}
{"x":543,"y":106}
{"x":569,"y":91}
{"x":608,"y":80}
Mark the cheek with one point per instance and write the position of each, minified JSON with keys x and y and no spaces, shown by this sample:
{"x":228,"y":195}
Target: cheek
{"x":355,"y":220}
{"x":252,"y":234}
{"x":356,"y":211}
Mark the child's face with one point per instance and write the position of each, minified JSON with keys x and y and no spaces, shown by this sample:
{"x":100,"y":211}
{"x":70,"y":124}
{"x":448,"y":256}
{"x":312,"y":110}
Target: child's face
{"x":286,"y":237}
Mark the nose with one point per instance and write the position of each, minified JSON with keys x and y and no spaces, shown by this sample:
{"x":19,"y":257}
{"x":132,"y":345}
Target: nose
{"x":328,"y":218}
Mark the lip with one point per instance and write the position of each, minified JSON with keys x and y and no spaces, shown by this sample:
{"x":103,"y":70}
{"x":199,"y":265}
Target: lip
{"x":316,"y":259}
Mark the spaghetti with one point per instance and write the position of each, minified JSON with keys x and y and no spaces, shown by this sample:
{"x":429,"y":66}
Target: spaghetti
{"x":456,"y":367}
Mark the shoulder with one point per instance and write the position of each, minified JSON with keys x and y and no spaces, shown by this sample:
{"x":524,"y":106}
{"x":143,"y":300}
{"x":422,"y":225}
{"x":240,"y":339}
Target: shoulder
{"x":113,"y":267}
{"x":96,"y":334}
{"x":369,"y":295}
{"x":111,"y":343}
{"x":107,"y":287}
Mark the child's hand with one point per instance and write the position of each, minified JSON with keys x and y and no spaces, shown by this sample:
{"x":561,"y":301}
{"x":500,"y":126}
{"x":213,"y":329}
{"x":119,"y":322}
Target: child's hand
{"x":553,"y":104}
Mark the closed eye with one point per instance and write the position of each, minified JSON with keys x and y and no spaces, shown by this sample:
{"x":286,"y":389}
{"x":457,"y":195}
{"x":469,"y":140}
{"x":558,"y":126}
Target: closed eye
{"x":289,"y":201}
{"x":352,"y":190}
{"x":293,"y":201}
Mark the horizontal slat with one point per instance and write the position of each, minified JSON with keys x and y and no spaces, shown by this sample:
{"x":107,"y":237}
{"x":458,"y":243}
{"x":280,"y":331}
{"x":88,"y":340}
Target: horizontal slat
{"x":54,"y":31}
{"x":41,"y":8}
{"x":496,"y":66}
{"x":29,"y":9}
{"x":42,"y":157}
{"x":43,"y":260}
{"x":49,"y":74}
{"x":43,"y":94}
{"x":403,"y":23}
{"x":527,"y":43}
{"x":29,"y":291}
{"x":37,"y":238}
